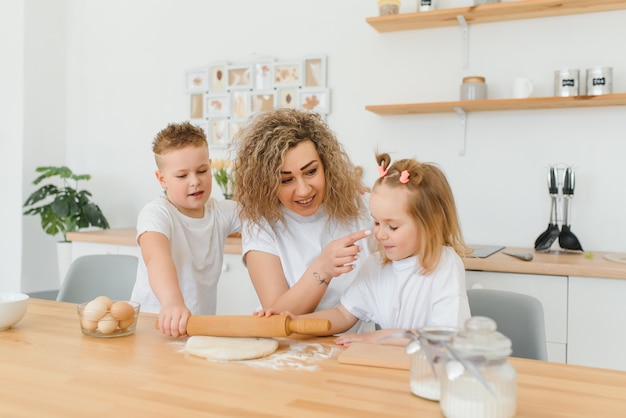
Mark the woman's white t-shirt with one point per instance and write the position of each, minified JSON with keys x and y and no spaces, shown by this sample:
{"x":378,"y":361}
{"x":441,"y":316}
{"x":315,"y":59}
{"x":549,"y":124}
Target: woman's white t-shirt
{"x":396,"y":295}
{"x":196,"y":246}
{"x":300,"y":240}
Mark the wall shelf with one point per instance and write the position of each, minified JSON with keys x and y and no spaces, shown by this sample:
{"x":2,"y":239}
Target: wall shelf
{"x":500,"y":104}
{"x":488,"y":13}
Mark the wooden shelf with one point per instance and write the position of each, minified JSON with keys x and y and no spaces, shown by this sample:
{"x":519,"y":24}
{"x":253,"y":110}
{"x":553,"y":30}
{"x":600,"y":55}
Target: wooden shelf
{"x":500,"y":104}
{"x":487,"y":13}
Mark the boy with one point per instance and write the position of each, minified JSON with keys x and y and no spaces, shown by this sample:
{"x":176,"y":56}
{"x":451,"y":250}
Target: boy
{"x":181,"y":235}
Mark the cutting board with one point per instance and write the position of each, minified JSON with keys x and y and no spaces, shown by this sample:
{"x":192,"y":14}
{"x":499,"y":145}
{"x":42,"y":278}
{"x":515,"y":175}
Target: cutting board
{"x":376,"y":355}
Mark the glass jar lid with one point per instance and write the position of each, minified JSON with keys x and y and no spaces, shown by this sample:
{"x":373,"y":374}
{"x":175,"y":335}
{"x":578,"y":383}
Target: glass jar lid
{"x":474,"y":79}
{"x":481,"y":338}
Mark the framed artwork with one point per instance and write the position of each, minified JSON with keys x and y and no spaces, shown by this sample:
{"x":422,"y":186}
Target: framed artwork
{"x":240,"y":104}
{"x":197,"y":80}
{"x":314,"y":100}
{"x":196,"y":106}
{"x":262,"y":101}
{"x":217,"y":105}
{"x":203,"y":124}
{"x":315,"y":71}
{"x":263,"y":75}
{"x":218,"y":132}
{"x":239,"y":76}
{"x":288,"y":74}
{"x":217,"y":78}
{"x":287,"y":97}
{"x":233,"y":130}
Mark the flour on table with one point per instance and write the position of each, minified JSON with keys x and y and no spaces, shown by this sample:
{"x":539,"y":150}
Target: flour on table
{"x":230,"y":348}
{"x":295,"y":355}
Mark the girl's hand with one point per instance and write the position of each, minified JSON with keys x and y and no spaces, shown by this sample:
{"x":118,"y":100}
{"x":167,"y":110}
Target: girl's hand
{"x":347,"y":339}
{"x":339,"y":255}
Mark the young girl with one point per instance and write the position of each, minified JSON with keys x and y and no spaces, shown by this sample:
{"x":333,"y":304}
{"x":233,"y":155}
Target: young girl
{"x":417,"y":278}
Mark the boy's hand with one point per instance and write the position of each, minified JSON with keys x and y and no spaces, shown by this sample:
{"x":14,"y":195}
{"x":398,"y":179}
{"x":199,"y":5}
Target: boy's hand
{"x":173,"y":320}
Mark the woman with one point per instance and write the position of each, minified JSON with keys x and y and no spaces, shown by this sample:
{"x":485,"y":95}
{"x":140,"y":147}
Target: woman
{"x":303,"y":214}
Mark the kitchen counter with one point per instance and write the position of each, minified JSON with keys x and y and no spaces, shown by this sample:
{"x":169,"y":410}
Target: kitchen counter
{"x":563,"y":264}
{"x":50,"y":369}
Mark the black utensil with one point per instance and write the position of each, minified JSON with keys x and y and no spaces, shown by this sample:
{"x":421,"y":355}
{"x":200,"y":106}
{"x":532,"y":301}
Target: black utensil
{"x":567,"y":239}
{"x":547,"y":238}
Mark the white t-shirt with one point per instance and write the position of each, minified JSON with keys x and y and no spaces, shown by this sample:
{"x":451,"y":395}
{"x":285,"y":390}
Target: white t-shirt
{"x":395,"y":295}
{"x":196,"y":246}
{"x":301,"y":239}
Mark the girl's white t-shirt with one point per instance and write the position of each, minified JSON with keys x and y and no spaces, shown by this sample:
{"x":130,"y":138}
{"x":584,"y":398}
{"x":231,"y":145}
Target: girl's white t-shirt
{"x":196,"y":246}
{"x":396,"y":295}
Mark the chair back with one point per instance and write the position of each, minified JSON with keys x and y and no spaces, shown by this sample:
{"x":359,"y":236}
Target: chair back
{"x":111,"y":275}
{"x":518,"y":316}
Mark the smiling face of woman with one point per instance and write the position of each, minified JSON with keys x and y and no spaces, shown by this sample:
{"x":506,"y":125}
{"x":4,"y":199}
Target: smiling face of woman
{"x":303,"y":183}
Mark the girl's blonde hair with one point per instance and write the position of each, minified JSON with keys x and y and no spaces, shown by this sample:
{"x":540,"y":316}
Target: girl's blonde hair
{"x":261,"y":147}
{"x":431,"y":205}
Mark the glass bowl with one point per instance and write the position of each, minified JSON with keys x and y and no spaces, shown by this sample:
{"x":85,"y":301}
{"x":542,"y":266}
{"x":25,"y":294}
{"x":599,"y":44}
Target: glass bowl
{"x":117,"y":320}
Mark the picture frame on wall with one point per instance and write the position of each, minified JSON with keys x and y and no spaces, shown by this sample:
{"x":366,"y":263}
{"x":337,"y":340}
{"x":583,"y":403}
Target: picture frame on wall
{"x":288,"y":73}
{"x":287,"y":97}
{"x":218,"y":132}
{"x":264,"y":74}
{"x":240,"y":104}
{"x":217,"y":105}
{"x":314,"y":100}
{"x":262,"y":101}
{"x":197,"y":80}
{"x":233,"y":130}
{"x":203,"y":124}
{"x":217,"y":78}
{"x":239,"y":76}
{"x":196,"y":106}
{"x":315,"y":71}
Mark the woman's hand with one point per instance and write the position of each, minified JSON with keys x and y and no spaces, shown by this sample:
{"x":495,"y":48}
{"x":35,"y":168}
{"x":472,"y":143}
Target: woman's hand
{"x":270,"y":312}
{"x":173,"y":320}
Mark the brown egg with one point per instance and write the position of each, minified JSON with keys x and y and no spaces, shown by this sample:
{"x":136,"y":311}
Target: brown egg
{"x":125,"y":323}
{"x":88,"y":325}
{"x":95,"y":310}
{"x":107,"y":324}
{"x":122,"y":310}
{"x":107,"y":300}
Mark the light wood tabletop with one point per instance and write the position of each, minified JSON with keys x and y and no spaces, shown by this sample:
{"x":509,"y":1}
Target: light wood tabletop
{"x":50,"y":369}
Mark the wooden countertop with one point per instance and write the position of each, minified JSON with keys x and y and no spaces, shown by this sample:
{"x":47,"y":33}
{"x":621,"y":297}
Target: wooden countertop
{"x":564,"y":264}
{"x":50,"y":369}
{"x":127,"y":236}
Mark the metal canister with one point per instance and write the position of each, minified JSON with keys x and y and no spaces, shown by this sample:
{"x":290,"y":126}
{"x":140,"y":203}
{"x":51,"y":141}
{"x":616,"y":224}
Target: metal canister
{"x":566,"y":82}
{"x":599,"y":81}
{"x":473,"y":88}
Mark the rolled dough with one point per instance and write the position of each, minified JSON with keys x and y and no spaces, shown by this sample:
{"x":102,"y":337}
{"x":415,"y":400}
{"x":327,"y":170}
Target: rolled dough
{"x":230,"y":348}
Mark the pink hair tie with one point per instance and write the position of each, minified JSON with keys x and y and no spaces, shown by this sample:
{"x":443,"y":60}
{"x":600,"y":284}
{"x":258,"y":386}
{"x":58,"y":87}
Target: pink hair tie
{"x":404,"y":177}
{"x":382,"y":172}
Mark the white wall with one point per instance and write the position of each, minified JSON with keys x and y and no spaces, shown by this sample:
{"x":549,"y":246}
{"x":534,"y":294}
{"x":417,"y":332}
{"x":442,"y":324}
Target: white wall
{"x":126,"y":61}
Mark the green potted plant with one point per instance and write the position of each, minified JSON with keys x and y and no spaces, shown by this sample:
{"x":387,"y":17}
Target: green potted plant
{"x":63,"y":209}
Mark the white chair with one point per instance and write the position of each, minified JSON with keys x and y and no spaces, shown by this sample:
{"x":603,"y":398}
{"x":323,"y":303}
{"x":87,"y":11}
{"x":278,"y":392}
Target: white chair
{"x":111,"y":275}
{"x":519,"y":317}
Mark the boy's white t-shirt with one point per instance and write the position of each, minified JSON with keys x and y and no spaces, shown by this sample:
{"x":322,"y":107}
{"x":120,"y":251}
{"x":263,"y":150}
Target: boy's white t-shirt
{"x":196,"y":246}
{"x":301,"y":239}
{"x":396,"y":295}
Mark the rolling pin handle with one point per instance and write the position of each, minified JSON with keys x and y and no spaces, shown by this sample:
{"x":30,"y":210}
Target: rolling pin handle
{"x":307,"y":326}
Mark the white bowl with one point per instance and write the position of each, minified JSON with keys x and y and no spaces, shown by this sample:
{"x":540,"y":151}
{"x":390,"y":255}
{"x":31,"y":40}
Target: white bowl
{"x":12,"y":308}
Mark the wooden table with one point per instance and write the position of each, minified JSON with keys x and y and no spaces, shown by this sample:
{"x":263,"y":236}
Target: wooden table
{"x":48,"y":368}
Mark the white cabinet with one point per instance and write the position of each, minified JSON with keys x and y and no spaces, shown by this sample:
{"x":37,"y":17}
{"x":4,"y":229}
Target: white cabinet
{"x":80,"y":249}
{"x":597,"y":313}
{"x":550,"y":290}
{"x":235,"y":292}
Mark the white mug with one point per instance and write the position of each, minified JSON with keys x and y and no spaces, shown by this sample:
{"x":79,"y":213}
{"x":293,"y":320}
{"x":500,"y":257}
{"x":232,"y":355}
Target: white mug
{"x":522,"y":87}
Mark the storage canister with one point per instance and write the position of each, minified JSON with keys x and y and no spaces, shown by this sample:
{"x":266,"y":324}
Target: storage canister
{"x":599,"y":81}
{"x":388,"y":7}
{"x":426,"y":5}
{"x":473,"y":88}
{"x":566,"y":83}
{"x":428,"y":353}
{"x":478,"y":381}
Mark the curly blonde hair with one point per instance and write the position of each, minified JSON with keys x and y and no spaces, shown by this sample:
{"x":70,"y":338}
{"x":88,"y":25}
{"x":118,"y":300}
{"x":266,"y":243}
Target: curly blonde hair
{"x":431,"y":205}
{"x":261,"y":147}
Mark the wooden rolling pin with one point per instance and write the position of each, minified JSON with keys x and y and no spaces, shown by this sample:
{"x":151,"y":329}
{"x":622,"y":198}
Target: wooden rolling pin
{"x":253,"y":326}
